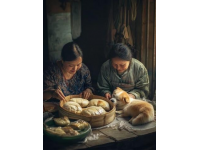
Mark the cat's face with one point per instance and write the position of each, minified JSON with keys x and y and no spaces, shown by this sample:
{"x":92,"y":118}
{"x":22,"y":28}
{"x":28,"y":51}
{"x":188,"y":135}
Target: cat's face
{"x":120,"y":98}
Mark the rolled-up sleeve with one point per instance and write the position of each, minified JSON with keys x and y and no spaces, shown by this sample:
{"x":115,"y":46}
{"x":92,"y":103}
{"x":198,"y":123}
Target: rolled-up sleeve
{"x":48,"y":80}
{"x":88,"y":82}
{"x":103,"y":82}
{"x":141,"y":89}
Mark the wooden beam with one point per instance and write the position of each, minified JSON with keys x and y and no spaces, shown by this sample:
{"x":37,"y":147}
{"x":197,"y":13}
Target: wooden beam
{"x":154,"y":50}
{"x":144,"y":32}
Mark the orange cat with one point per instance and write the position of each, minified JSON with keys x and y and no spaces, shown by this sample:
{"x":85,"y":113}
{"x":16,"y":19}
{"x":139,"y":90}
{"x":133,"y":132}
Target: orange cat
{"x":141,"y":111}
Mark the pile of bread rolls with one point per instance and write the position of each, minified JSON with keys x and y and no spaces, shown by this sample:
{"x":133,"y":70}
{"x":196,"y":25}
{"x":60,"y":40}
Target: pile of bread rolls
{"x":66,"y":128}
{"x":86,"y":107}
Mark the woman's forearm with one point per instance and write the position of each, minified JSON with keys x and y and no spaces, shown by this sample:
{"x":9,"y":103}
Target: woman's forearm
{"x":47,"y":94}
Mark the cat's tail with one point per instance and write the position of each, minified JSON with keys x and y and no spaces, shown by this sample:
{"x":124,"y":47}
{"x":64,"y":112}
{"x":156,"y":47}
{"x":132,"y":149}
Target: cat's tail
{"x":143,"y":117}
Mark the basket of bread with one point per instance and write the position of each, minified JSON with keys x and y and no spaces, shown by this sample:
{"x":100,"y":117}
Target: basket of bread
{"x":64,"y":130}
{"x":96,"y":110}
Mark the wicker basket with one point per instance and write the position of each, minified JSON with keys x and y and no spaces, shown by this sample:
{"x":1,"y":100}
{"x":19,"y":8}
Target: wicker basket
{"x":95,"y":121}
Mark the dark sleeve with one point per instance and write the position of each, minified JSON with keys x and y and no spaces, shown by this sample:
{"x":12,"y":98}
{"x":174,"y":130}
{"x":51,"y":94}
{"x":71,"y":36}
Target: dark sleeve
{"x":49,"y":81}
{"x":103,"y":82}
{"x":87,"y":77}
{"x":141,"y":89}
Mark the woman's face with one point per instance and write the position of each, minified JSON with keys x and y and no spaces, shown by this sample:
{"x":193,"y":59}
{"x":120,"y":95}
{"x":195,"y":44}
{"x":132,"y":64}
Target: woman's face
{"x":72,"y":66}
{"x":120,"y":65}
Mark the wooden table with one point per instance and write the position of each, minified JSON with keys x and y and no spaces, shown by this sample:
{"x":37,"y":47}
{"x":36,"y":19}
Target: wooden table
{"x":117,"y":135}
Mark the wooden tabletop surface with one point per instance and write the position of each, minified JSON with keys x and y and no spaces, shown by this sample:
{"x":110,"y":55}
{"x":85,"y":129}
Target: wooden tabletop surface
{"x":119,"y":134}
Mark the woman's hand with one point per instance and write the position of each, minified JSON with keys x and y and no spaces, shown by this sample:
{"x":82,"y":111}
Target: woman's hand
{"x":86,"y":94}
{"x":132,"y":96}
{"x":108,"y":96}
{"x":58,"y":94}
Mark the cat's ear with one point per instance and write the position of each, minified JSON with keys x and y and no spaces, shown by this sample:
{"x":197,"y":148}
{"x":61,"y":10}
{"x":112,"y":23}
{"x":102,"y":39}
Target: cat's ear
{"x":118,"y":88}
{"x":126,"y":99}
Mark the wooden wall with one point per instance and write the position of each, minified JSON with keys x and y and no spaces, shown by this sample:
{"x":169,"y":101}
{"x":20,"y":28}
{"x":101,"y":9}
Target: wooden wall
{"x":94,"y":20}
{"x":146,"y":39}
{"x":45,"y":37}
{"x":59,"y":27}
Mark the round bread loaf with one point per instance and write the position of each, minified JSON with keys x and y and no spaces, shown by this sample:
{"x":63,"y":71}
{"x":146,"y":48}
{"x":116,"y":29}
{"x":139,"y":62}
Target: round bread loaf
{"x":72,"y":107}
{"x":99,"y":102}
{"x":81,"y":101}
{"x":93,"y":111}
{"x":62,"y":121}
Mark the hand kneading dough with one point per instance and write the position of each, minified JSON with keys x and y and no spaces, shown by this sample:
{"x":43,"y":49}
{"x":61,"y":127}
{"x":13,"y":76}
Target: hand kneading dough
{"x":93,"y":111}
{"x":72,"y":107}
{"x":82,"y":102}
{"x":99,"y":102}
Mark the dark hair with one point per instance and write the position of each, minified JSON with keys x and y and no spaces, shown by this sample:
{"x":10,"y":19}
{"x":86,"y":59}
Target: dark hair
{"x":120,"y":50}
{"x":71,"y":51}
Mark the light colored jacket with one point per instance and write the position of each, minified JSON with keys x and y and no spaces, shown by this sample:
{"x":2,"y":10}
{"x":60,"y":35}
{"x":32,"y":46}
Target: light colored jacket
{"x":134,"y":80}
